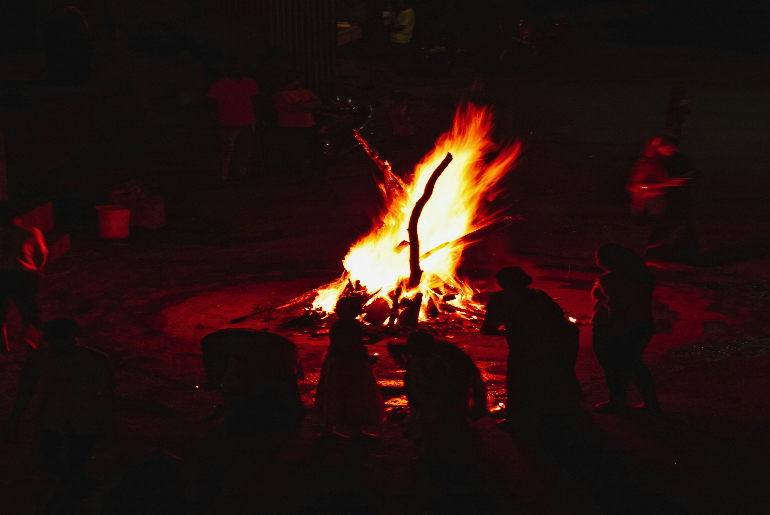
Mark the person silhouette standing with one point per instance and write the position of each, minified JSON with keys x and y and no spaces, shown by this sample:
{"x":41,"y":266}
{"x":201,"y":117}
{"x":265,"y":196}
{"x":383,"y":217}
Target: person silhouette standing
{"x":348,"y":394}
{"x":623,"y":325}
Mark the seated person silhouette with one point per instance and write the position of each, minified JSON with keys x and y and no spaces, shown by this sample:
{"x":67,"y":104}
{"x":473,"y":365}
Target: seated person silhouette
{"x":444,"y":389}
{"x":257,"y":373}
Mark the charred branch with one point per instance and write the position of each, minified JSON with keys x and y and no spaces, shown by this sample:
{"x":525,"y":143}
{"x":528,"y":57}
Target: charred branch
{"x":415,"y":273}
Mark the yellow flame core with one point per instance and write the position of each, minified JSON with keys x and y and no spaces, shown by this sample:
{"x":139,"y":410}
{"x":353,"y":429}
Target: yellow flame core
{"x":455,"y":209}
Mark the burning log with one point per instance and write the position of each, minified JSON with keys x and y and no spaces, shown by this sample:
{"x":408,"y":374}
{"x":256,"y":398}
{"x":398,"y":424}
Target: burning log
{"x":415,"y":274}
{"x":478,"y":233}
{"x":388,"y":180}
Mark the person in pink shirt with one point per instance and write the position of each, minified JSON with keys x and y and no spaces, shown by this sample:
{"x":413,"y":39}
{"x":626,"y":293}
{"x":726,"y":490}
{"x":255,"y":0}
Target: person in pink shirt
{"x":294,"y":105}
{"x":232,"y":96}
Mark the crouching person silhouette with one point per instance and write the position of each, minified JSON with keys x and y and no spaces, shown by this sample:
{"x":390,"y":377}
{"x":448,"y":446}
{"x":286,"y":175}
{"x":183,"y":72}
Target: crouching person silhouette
{"x":445,"y":393}
{"x":77,"y":408}
{"x":542,"y":351}
{"x":257,"y":374}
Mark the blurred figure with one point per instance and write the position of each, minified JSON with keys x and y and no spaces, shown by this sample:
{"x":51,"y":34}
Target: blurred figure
{"x":400,"y":114}
{"x":444,"y":389}
{"x":543,"y":346}
{"x":77,"y":407}
{"x":23,"y":255}
{"x":348,"y":395}
{"x":623,"y":325}
{"x":231,"y":96}
{"x":297,"y":127}
{"x":403,"y":27}
{"x":388,"y":16}
{"x":677,"y":109}
{"x":257,"y":374}
{"x":660,"y":198}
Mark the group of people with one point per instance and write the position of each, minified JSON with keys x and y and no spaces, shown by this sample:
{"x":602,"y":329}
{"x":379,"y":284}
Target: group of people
{"x":258,"y":373}
{"x":233,"y":98}
{"x":443,"y":386}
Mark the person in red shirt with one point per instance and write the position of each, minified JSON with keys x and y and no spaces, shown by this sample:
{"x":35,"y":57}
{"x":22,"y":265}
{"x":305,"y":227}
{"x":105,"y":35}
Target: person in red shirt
{"x":297,"y":128}
{"x":232,"y":97}
{"x":23,"y":254}
{"x":650,"y":185}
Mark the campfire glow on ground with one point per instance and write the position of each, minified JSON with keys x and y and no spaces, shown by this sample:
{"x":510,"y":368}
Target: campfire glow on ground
{"x":458,"y":206}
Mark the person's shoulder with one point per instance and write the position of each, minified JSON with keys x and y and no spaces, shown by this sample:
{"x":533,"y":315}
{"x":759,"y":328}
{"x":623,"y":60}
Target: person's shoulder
{"x":217,"y":86}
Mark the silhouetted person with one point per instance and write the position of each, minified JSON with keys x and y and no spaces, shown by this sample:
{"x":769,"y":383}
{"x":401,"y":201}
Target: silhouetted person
{"x":348,"y":395}
{"x":543,"y":346}
{"x":649,"y":185}
{"x":23,"y":254}
{"x":77,"y":406}
{"x":257,"y":373}
{"x":444,"y":389}
{"x":232,"y":97}
{"x":297,"y":127}
{"x":402,"y":29}
{"x":682,"y":244}
{"x":151,"y":485}
{"x":623,"y":325}
{"x":677,"y":109}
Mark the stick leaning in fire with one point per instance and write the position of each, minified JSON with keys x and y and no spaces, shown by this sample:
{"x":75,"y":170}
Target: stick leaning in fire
{"x":415,"y":273}
{"x":388,"y":180}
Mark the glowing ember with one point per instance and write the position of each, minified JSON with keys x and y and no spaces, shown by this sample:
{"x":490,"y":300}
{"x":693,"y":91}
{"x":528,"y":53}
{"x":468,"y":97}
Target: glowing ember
{"x":378,"y":264}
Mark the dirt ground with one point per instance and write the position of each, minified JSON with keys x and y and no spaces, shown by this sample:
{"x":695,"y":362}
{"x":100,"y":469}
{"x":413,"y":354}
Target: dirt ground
{"x":583,"y":116}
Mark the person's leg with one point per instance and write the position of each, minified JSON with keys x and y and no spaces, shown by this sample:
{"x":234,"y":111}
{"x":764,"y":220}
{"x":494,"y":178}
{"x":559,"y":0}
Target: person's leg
{"x":607,"y":351}
{"x":26,"y":302}
{"x":6,"y":287}
{"x":242,"y":150}
{"x":637,"y":370}
{"x":227,"y":137}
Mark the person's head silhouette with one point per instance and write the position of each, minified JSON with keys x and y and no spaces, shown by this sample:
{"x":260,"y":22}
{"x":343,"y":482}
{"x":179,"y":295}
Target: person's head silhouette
{"x":348,"y":308}
{"x":513,"y":278}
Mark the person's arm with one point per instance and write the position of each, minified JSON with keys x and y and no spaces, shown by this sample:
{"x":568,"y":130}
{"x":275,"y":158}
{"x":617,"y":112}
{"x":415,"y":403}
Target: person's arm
{"x":493,"y":318}
{"x":41,"y":250}
{"x":33,"y":371}
{"x":398,"y":352}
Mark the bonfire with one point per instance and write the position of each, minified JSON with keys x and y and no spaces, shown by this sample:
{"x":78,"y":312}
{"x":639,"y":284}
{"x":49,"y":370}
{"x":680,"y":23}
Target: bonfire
{"x":405,"y":269}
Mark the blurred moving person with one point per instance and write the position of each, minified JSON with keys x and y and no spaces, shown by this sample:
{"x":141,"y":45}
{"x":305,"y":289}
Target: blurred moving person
{"x":23,"y":254}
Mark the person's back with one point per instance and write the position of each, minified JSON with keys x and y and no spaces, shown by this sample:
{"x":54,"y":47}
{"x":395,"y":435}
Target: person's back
{"x":543,"y":345}
{"x":627,"y":300}
{"x":257,"y":373}
{"x":76,"y":391}
{"x":523,"y":311}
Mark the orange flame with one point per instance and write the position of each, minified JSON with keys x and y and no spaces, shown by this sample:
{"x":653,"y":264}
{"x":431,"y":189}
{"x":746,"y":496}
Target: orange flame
{"x":380,"y":260}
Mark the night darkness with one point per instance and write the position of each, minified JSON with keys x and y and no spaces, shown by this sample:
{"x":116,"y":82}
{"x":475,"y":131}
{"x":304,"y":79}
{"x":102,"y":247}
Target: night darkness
{"x":180,"y":186}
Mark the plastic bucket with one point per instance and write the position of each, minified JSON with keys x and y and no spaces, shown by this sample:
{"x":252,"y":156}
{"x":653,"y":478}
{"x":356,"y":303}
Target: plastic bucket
{"x":113,"y":221}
